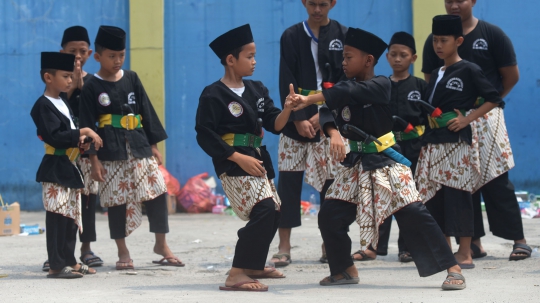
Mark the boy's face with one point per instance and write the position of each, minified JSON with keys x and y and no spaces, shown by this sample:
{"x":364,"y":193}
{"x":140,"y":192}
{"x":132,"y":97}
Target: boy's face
{"x":111,"y":61}
{"x":400,"y":57}
{"x":354,"y":61}
{"x":318,"y":9}
{"x":462,"y":8}
{"x":80,"y":49}
{"x":446,"y":46}
{"x":245,"y":64}
{"x":60,"y":81}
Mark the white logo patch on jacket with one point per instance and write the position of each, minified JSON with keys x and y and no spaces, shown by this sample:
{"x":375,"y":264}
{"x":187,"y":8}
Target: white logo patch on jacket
{"x":346,"y":114}
{"x":480,"y":44}
{"x":336,"y":45}
{"x":104,"y":99}
{"x":260,"y":105}
{"x":131,"y":98}
{"x":455,"y":84}
{"x":414,"y":96}
{"x":236,"y":109}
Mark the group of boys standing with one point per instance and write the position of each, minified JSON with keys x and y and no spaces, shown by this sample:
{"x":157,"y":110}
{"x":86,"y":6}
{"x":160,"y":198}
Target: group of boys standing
{"x":450,"y":139}
{"x":92,"y":129}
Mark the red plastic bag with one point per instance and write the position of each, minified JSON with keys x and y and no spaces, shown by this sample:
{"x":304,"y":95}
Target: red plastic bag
{"x":196,"y":196}
{"x":173,"y":186}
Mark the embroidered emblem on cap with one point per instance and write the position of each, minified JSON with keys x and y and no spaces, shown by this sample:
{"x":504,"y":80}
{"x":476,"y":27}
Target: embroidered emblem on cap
{"x":104,"y":99}
{"x":236,"y":109}
{"x":336,"y":45}
{"x":455,"y":84}
{"x":480,"y":44}
{"x":260,"y":105}
{"x":131,"y":98}
{"x":346,"y":114}
{"x":414,"y":95}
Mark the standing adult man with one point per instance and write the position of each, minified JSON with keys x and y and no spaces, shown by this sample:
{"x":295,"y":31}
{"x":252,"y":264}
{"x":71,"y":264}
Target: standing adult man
{"x":488,"y":46}
{"x":311,"y":55}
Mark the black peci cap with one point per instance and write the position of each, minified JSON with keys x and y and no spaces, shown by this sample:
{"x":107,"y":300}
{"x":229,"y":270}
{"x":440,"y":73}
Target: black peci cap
{"x":111,"y":37}
{"x":75,"y":33}
{"x":447,"y":25}
{"x":365,"y":41}
{"x":232,"y":40}
{"x":403,"y":38}
{"x":56,"y":60}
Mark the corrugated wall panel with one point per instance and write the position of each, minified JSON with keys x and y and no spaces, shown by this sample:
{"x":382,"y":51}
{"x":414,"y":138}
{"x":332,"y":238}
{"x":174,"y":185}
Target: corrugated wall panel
{"x":29,"y":27}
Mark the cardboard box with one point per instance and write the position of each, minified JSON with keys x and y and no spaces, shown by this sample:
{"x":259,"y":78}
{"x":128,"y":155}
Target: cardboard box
{"x":171,"y":204}
{"x":10,"y":219}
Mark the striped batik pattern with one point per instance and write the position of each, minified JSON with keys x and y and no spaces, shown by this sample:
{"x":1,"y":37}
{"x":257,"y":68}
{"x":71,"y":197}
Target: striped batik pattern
{"x":244,"y":192}
{"x":131,"y":182}
{"x":90,"y":186}
{"x":62,"y":200}
{"x":496,"y":155}
{"x":378,"y":194}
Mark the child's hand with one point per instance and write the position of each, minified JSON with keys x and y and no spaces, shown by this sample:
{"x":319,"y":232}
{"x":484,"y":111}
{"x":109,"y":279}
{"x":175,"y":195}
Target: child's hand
{"x":157,"y":154}
{"x":315,"y":122}
{"x":337,"y":147}
{"x":82,"y":145}
{"x":96,"y":139}
{"x":97,"y":171}
{"x":458,"y":123}
{"x":249,"y":164}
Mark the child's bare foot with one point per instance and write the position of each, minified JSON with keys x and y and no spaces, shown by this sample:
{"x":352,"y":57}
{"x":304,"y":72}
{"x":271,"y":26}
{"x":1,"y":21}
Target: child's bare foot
{"x":364,"y":255}
{"x":463,"y":258}
{"x":85,"y":270}
{"x":267,"y":272}
{"x":238,"y":275}
{"x":165,"y":251}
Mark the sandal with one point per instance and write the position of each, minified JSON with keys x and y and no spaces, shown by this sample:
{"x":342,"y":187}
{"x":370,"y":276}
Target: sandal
{"x":84,"y":269}
{"x":267,"y":275}
{"x":347,"y":279}
{"x":125,"y":265}
{"x":405,"y":256}
{"x":166,"y":261}
{"x":282,"y":263}
{"x":364,"y":256}
{"x":476,"y":252}
{"x":323,"y":259}
{"x":236,"y":287}
{"x":520,"y":248}
{"x":65,"y":273}
{"x":91,"y":261}
{"x":453,"y":276}
{"x":46,"y":266}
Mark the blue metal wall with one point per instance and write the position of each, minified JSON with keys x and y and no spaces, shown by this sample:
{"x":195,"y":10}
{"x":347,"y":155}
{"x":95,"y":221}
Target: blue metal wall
{"x":191,"y":65}
{"x":27,"y":28}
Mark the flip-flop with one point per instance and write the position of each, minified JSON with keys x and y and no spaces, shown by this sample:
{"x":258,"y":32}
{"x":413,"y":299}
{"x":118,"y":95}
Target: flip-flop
{"x":323,"y":259}
{"x":125,"y":265}
{"x":66,"y":273}
{"x":236,"y":287}
{"x":85,"y":270}
{"x":405,"y":256}
{"x":46,"y":266}
{"x":266,"y":275}
{"x":364,"y":256}
{"x":165,"y":262}
{"x":282,"y":263}
{"x":466,"y":266}
{"x":477,"y":253}
{"x":452,"y":276}
{"x":520,"y":248}
{"x":347,"y":279}
{"x":91,"y":261}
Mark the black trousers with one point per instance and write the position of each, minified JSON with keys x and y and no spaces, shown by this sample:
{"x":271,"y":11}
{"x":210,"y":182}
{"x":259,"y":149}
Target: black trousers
{"x":254,"y":239}
{"x":384,"y":236}
{"x":157,"y":213}
{"x":61,"y":234}
{"x":453,"y":210}
{"x":427,"y":244}
{"x":502,"y":210}
{"x":88,"y":214}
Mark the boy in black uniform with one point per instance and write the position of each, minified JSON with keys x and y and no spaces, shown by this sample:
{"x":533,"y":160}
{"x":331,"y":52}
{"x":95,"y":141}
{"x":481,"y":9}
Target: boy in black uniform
{"x":75,"y":41}
{"x":371,"y":186}
{"x":488,"y":46}
{"x":58,"y":172}
{"x":127,"y":165}
{"x":449,"y":168}
{"x":230,"y":117}
{"x":310,"y":59}
{"x":406,"y":89}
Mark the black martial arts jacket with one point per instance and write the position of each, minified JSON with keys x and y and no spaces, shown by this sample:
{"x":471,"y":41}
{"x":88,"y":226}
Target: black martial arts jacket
{"x":221,"y":111}
{"x":54,"y":128}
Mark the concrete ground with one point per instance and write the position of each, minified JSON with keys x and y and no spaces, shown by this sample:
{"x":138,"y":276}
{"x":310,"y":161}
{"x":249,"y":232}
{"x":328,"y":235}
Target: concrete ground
{"x":205,"y":242}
